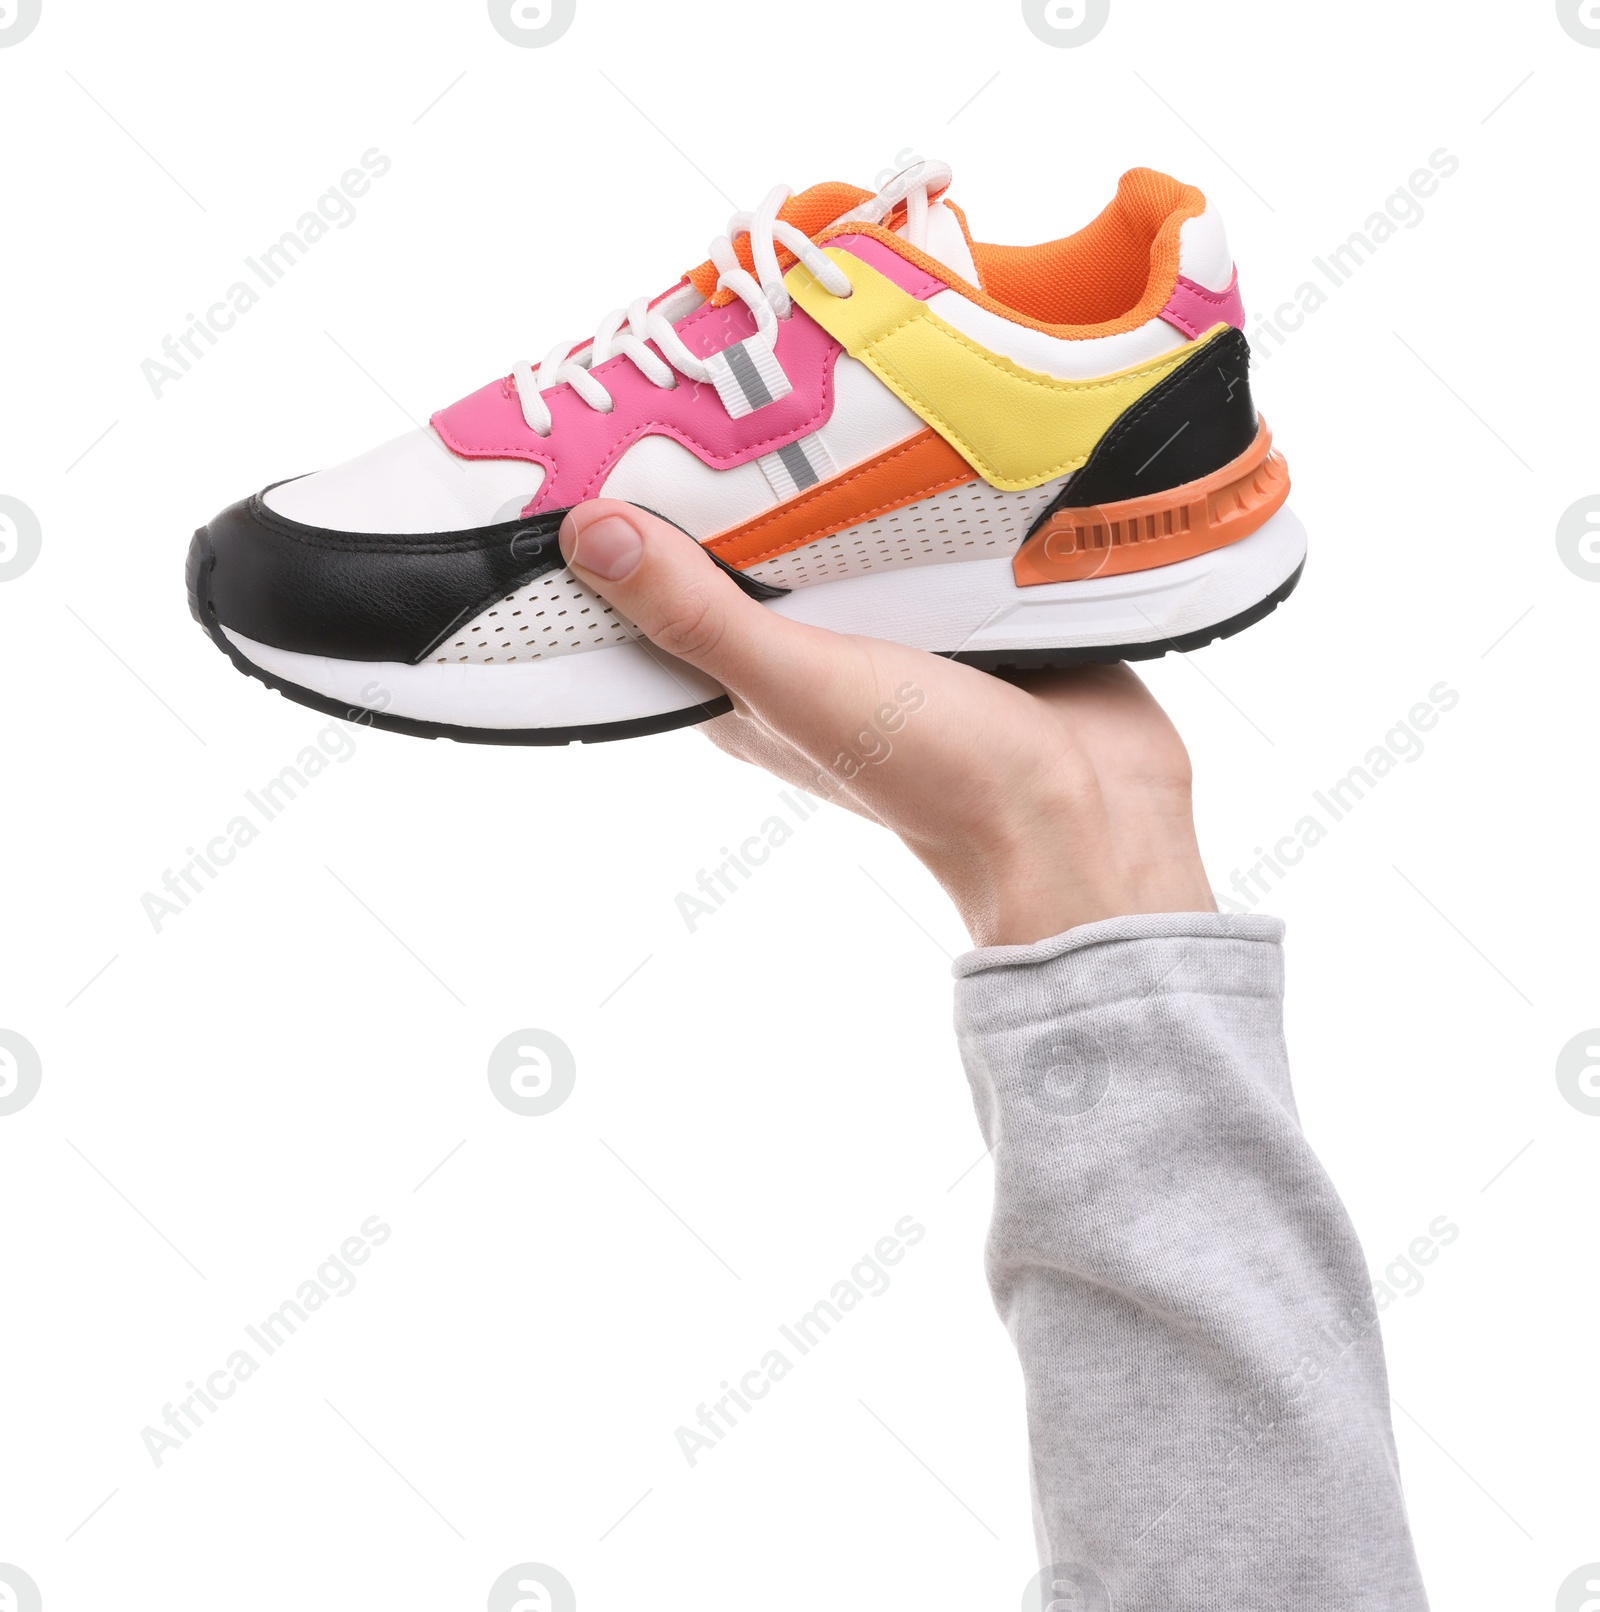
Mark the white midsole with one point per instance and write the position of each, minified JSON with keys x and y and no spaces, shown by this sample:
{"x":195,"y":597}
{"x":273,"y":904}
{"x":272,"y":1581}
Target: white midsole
{"x":576,"y":690}
{"x":975,"y":605}
{"x":964,"y":606}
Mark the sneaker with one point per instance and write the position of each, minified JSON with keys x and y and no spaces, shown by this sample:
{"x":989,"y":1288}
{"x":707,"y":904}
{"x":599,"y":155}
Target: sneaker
{"x":1019,"y":456}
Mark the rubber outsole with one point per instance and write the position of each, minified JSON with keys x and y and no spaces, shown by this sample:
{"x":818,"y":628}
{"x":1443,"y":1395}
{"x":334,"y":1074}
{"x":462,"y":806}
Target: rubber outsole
{"x":1037,"y":660}
{"x":201,"y":558}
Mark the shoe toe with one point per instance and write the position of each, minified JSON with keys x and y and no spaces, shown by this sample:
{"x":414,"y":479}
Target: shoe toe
{"x":369,"y":596}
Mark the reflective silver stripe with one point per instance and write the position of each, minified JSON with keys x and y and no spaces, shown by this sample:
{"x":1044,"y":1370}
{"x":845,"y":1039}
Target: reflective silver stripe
{"x":750,"y":383}
{"x":797,"y":466}
{"x":747,"y":377}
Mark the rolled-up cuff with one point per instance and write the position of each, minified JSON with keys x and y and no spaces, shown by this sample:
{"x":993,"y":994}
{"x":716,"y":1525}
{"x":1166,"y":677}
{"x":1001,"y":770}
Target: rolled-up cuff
{"x":1138,"y":926}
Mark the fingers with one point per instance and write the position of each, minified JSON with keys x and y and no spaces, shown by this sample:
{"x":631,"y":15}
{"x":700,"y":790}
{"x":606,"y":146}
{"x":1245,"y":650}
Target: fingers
{"x":666,"y":584}
{"x":833,"y":705}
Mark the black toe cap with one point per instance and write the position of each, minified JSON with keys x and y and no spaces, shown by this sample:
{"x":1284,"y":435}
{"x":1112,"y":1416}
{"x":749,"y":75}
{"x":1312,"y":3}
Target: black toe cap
{"x":358,"y":595}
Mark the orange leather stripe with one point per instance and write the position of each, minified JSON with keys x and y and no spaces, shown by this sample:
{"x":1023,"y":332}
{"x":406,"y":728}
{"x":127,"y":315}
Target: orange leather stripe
{"x":916,"y":468}
{"x":1138,"y":534}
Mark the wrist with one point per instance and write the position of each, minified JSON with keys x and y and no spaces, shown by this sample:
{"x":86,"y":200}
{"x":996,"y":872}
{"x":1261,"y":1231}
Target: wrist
{"x":1042,"y":905}
{"x":1061,"y":867}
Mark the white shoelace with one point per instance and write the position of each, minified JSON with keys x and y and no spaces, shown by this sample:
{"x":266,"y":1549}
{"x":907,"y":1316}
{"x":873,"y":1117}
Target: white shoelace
{"x":625,"y":331}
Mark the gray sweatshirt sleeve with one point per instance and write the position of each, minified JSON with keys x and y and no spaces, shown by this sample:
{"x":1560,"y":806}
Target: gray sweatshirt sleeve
{"x":1208,"y":1411}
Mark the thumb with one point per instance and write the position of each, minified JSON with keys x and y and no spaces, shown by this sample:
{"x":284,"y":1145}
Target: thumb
{"x":670,"y":588}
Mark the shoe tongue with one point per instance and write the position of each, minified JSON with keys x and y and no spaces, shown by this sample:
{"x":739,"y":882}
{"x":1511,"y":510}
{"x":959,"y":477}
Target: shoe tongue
{"x":833,"y":202}
{"x":947,"y":240}
{"x":810,"y":211}
{"x":880,"y":209}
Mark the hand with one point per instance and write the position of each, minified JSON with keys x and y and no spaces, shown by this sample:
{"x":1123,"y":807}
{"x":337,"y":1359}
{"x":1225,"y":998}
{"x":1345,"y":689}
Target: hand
{"x":1039,"y":801}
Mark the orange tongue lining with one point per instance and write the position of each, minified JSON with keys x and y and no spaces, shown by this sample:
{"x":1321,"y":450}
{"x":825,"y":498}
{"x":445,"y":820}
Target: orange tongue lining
{"x":811,"y":211}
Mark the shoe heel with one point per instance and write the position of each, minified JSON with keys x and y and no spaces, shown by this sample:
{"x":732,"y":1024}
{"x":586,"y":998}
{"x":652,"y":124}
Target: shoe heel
{"x":1137,"y":534}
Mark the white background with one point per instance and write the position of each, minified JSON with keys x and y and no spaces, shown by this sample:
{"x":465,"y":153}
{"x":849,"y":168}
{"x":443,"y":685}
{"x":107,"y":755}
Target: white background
{"x":302,"y":1047}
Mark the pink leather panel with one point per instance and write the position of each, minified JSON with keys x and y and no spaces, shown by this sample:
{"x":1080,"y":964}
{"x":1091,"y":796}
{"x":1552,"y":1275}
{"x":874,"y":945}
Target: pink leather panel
{"x":1194,"y":310}
{"x":584,"y":444}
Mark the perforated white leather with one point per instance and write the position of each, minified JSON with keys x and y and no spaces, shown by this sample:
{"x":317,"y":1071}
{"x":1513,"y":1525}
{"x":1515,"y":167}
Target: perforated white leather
{"x":553,"y":615}
{"x":972,"y":522}
{"x":558,"y":615}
